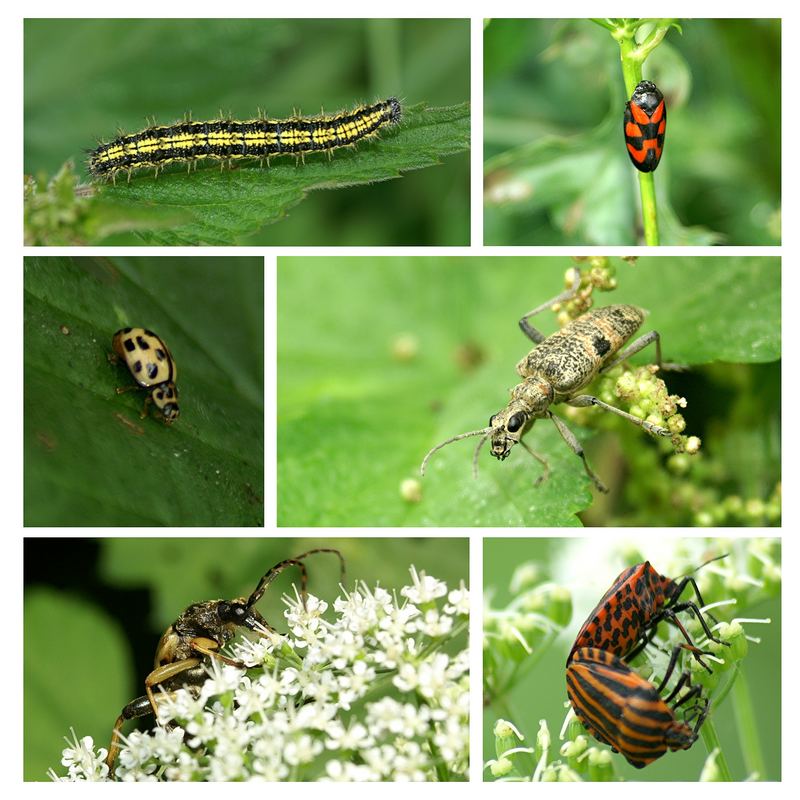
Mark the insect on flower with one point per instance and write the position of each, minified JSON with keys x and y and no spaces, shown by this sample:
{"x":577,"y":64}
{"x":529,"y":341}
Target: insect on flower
{"x":627,"y":616}
{"x":198,"y":635}
{"x":621,"y":709}
{"x":556,"y":370}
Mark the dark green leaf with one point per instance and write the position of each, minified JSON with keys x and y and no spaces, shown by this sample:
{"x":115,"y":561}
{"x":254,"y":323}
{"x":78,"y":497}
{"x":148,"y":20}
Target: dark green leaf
{"x":89,"y":459}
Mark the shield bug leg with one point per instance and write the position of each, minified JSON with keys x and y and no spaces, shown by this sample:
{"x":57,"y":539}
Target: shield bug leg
{"x":583,"y":400}
{"x":569,"y":437}
{"x":528,"y":329}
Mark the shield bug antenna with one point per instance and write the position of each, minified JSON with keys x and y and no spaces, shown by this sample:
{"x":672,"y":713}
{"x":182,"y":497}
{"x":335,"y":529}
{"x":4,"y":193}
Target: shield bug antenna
{"x":198,"y":635}
{"x":556,"y":370}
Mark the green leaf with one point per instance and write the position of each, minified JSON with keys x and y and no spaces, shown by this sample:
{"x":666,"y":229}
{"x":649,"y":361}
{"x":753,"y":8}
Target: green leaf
{"x":76,"y":673}
{"x":354,"y":420}
{"x":89,"y":459}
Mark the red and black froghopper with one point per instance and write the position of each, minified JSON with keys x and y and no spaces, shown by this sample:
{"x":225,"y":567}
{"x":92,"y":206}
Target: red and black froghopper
{"x":645,"y":125}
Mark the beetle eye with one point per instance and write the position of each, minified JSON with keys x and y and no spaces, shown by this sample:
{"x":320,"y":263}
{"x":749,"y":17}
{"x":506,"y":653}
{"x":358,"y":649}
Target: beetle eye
{"x":515,"y":423}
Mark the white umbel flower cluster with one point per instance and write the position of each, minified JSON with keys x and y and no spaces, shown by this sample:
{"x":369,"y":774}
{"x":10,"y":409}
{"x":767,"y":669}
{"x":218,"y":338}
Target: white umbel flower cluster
{"x":379,"y":693}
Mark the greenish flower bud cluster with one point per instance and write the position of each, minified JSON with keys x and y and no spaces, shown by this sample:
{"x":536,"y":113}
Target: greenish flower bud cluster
{"x":599,"y":274}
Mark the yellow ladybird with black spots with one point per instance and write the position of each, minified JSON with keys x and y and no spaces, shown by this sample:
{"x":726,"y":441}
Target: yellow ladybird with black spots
{"x":152,"y":366}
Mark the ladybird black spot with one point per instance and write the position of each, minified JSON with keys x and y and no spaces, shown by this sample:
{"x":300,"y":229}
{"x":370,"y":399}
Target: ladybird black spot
{"x":169,"y":392}
{"x":129,"y":345}
{"x":152,"y":371}
{"x":601,"y":345}
{"x":159,"y":395}
{"x":137,"y":366}
{"x":150,"y":333}
{"x":160,"y":354}
{"x":142,"y":342}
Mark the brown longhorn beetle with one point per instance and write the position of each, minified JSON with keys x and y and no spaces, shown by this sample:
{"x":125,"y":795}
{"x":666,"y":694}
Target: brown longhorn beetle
{"x":198,"y":635}
{"x":556,"y":370}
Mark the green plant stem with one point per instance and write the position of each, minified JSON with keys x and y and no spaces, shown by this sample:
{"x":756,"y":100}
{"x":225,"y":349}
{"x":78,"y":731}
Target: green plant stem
{"x":632,"y":60}
{"x":746,"y":727}
{"x":711,"y":741}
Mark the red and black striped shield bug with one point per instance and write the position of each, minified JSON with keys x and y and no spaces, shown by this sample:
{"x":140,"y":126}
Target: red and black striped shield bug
{"x":621,"y":709}
{"x":197,"y":636}
{"x":152,"y":366}
{"x":556,"y":370}
{"x":645,"y":125}
{"x":628,"y":614}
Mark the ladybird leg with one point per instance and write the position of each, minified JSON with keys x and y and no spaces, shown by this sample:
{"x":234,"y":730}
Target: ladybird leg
{"x":584,"y":400}
{"x":123,"y":389}
{"x":146,"y":406}
{"x":163,"y":673}
{"x":528,"y":329}
{"x":542,"y":460}
{"x":569,"y":437}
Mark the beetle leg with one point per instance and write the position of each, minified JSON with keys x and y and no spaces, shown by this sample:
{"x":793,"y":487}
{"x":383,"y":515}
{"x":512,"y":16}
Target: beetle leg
{"x":634,"y":347}
{"x":640,"y":344}
{"x":542,"y":460}
{"x":123,"y":389}
{"x":528,"y":329}
{"x":583,"y":400}
{"x":146,"y":406}
{"x":163,"y":673}
{"x":569,"y":437}
{"x":140,"y":707}
{"x":208,"y":647}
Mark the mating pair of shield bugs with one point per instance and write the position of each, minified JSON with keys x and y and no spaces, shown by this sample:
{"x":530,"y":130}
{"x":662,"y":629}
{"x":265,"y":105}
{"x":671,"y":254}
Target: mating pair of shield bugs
{"x":197,"y":637}
{"x":613,"y":702}
{"x":556,"y":371}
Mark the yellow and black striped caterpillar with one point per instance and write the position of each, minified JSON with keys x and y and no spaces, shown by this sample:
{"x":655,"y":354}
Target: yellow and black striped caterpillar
{"x":228,"y":139}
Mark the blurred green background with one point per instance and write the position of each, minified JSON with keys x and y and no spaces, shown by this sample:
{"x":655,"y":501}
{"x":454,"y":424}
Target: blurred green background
{"x":89,"y":459}
{"x":95,"y":609}
{"x":587,"y":568}
{"x":556,"y":168}
{"x":380,"y":359}
{"x":130,"y":70}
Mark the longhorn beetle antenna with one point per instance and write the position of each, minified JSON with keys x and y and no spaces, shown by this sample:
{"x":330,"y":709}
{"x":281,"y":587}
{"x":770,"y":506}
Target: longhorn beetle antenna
{"x":482,"y":432}
{"x":273,"y":573}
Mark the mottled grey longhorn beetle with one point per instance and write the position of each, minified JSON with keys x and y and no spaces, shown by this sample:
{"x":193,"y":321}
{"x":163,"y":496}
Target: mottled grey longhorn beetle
{"x":556,"y":370}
